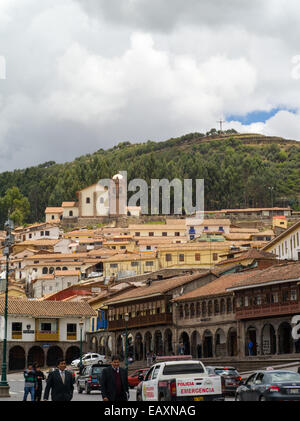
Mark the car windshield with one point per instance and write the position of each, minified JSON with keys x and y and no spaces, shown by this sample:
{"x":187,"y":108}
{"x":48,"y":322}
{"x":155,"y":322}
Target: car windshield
{"x":225,"y":371}
{"x":284,"y":377}
{"x":97,"y":370}
{"x":183,"y":369}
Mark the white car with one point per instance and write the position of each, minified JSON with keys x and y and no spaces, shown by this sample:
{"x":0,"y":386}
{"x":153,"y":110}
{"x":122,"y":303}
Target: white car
{"x":89,"y":358}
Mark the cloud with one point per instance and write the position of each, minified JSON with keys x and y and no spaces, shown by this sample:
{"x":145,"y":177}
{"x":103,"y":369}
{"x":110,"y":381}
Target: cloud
{"x":83,"y":75}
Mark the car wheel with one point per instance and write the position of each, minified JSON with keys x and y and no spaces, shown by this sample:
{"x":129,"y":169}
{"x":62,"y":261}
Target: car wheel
{"x":100,"y":362}
{"x":79,"y":388}
{"x":263,"y":399}
{"x":238,"y":398}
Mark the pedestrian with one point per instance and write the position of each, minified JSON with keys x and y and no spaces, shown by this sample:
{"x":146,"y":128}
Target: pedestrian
{"x":114,"y":386}
{"x":149,"y":359}
{"x":298,"y":370}
{"x":250,"y":347}
{"x":61,"y":383}
{"x":30,"y":382}
{"x":39,"y":386}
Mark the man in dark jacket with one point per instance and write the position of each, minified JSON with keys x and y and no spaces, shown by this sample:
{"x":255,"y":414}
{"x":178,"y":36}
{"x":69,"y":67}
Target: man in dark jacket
{"x":114,"y":382}
{"x":61,"y":383}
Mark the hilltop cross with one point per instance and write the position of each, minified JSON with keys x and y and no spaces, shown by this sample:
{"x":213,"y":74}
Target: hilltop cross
{"x":221,"y":124}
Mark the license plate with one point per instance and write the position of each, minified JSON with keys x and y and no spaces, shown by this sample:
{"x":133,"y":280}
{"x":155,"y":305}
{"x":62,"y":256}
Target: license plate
{"x":94,"y":380}
{"x":198,"y":398}
{"x":294,"y":390}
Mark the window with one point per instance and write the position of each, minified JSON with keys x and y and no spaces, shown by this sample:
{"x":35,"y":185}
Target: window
{"x":149,"y":263}
{"x":293,"y":295}
{"x":285,"y":295}
{"x":164,"y":234}
{"x":257,"y":300}
{"x":46,"y":327}
{"x":52,"y":216}
{"x":113,"y":265}
{"x":47,"y":233}
{"x":155,"y":372}
{"x":215,"y":256}
{"x":246,"y":301}
{"x":197,"y":257}
{"x":45,"y":271}
{"x":16,"y":327}
{"x":181,"y":258}
{"x":70,"y":213}
{"x":88,"y":200}
{"x":275,"y":297}
{"x":151,"y":234}
{"x":137,"y":234}
{"x":123,"y":247}
{"x":71,"y":327}
{"x":168,"y":257}
{"x":64,"y":268}
{"x":177,"y":234}
{"x":148,"y":247}
{"x":30,"y":235}
{"x":134,"y":263}
{"x":221,"y":229}
{"x":42,"y":233}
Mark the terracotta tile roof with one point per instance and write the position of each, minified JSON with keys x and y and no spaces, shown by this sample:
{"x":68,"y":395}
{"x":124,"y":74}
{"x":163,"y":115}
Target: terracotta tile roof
{"x":254,"y":210}
{"x":158,"y":287}
{"x":238,"y":236}
{"x":153,"y":227}
{"x":208,"y":222}
{"x":279,"y":237}
{"x":244,"y":230}
{"x":249,"y":254}
{"x":69,"y":204}
{"x":54,"y":210}
{"x":52,"y":256}
{"x":273,"y":274}
{"x":67,"y":273}
{"x":267,"y":232}
{"x":131,"y":256}
{"x":46,"y":308}
{"x":37,"y":243}
{"x":217,"y":286}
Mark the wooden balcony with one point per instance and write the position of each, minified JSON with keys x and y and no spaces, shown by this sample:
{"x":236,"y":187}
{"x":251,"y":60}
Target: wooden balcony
{"x":268,"y":310}
{"x":16,"y":335}
{"x":141,"y":321}
{"x":71,"y":336}
{"x":43,"y":335}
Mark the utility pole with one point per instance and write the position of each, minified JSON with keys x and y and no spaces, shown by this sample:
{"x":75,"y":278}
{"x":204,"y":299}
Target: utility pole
{"x":221,"y":124}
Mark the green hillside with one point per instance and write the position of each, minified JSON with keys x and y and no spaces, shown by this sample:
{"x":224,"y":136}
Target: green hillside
{"x":237,"y":168}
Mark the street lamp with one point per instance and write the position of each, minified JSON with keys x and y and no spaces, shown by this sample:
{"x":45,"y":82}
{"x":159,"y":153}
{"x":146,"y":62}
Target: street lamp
{"x":9,"y":240}
{"x":81,"y":323}
{"x":126,"y":341}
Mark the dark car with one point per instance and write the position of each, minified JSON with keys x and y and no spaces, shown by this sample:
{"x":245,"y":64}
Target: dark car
{"x":231,"y":379}
{"x":270,"y":385}
{"x":90,"y":378}
{"x":135,"y":378}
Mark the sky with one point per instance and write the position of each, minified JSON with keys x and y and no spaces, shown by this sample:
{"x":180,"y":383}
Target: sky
{"x":80,"y":75}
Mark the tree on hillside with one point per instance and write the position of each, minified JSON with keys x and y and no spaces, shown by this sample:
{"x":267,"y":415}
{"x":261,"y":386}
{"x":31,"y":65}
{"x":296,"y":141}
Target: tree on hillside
{"x":14,"y":206}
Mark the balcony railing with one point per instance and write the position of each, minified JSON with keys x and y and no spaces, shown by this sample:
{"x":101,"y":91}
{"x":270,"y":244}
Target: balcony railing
{"x":45,"y":335}
{"x":273,"y":309}
{"x":141,"y":321}
{"x":71,"y":336}
{"x":16,"y":335}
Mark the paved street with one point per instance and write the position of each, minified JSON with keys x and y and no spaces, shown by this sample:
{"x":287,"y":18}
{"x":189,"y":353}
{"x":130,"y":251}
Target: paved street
{"x":16,"y":383}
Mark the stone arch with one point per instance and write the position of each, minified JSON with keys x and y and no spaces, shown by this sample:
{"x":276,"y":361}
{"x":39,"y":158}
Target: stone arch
{"x":94,"y":344}
{"x":102,"y":345}
{"x":168,"y":345}
{"x":268,"y":340}
{"x":138,"y":347}
{"x":72,"y":353}
{"x":232,"y":342}
{"x":36,"y":355}
{"x":207,"y":344}
{"x":185,"y":340}
{"x":51,"y":270}
{"x":53,"y":354}
{"x":220,"y":343}
{"x":251,"y":335}
{"x":285,"y":340}
{"x":16,"y":358}
{"x":119,"y":346}
{"x":196,"y":345}
{"x":45,"y":270}
{"x":158,"y":343}
{"x":148,"y":343}
{"x":109,"y":346}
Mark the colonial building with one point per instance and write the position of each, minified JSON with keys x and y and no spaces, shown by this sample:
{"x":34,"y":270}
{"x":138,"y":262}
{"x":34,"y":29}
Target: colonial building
{"x":43,"y":331}
{"x":287,"y":244}
{"x":265,"y":305}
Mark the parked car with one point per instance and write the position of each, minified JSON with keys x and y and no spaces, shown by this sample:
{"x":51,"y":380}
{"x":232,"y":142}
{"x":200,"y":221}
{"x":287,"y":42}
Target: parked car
{"x":135,"y":378}
{"x":270,"y":385}
{"x":231,"y":379}
{"x":89,"y":358}
{"x":90,"y":378}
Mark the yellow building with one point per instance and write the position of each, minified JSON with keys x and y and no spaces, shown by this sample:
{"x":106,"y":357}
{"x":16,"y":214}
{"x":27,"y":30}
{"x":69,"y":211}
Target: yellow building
{"x":280,"y":221}
{"x":126,"y":264}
